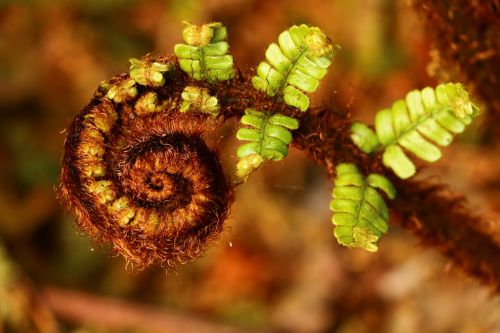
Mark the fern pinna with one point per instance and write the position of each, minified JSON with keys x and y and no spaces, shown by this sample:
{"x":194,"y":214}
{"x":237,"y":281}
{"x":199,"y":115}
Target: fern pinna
{"x":269,"y":136}
{"x":140,"y":174}
{"x":430,"y":114}
{"x":360,"y":213}
{"x":295,"y":66}
{"x":291,"y":69}
{"x":205,"y":54}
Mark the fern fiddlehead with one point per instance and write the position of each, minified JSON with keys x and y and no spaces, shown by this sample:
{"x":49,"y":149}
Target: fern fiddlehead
{"x":430,"y":114}
{"x":138,"y":173}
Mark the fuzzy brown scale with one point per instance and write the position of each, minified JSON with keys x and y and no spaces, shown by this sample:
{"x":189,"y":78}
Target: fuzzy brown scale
{"x":465,"y":38}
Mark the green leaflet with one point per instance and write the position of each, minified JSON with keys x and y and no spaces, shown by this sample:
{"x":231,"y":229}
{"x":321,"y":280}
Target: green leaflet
{"x":360,"y":214}
{"x":295,"y":66}
{"x":364,"y":137}
{"x":199,"y":99}
{"x":148,"y":104}
{"x":423,"y":120}
{"x":122,"y":92}
{"x":269,"y":136}
{"x":205,"y":54}
{"x":148,"y":73}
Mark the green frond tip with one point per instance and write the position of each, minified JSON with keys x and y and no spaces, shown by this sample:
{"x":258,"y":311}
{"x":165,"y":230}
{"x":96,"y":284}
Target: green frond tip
{"x":422,"y":121}
{"x":149,"y":103}
{"x":122,"y":92}
{"x":360,"y":214}
{"x":295,"y":65}
{"x":199,"y":99}
{"x":364,"y":137}
{"x":148,"y":73}
{"x":204,"y":56}
{"x":247,"y":164}
{"x":269,"y":137}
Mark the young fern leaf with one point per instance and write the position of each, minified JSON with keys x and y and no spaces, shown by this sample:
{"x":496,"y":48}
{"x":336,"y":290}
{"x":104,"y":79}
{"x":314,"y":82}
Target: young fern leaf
{"x":295,"y":66}
{"x":148,"y":73}
{"x":205,"y":54}
{"x":360,"y":214}
{"x":427,"y":115}
{"x":269,"y":136}
{"x":199,"y":99}
{"x":149,"y":103}
{"x":121,"y":92}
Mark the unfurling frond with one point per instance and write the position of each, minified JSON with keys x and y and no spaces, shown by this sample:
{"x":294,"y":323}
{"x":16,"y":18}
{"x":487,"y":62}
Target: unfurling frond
{"x":199,"y":99}
{"x":149,"y":73}
{"x":121,"y":92}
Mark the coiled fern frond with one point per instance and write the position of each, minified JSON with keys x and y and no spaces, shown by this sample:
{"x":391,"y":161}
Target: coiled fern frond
{"x":295,"y":66}
{"x":269,"y":136}
{"x":360,"y":213}
{"x":428,"y":115}
{"x":205,"y":57}
{"x":141,"y":169}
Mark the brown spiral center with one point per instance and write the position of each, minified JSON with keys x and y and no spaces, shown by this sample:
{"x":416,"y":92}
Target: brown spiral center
{"x":158,"y":176}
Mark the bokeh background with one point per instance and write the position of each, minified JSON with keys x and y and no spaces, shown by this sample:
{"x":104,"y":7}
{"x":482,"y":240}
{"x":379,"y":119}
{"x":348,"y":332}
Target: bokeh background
{"x":277,"y":267}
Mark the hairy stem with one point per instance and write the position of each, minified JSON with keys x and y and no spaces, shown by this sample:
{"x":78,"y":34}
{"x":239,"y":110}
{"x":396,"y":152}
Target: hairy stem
{"x":442,"y":219}
{"x":466,"y":48}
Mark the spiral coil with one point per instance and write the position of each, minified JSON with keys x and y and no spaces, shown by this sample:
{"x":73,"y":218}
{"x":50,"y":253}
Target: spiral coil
{"x":139,"y":174}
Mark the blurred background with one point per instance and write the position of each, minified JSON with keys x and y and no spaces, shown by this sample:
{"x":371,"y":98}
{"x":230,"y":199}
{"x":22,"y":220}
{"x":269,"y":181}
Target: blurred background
{"x":278,"y":271}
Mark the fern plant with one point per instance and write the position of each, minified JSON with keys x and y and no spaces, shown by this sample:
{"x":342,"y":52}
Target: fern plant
{"x":428,"y":115}
{"x":360,"y":213}
{"x":164,"y":194}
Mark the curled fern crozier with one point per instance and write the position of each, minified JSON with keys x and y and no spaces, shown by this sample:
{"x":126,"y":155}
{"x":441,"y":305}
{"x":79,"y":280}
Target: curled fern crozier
{"x":139,"y":174}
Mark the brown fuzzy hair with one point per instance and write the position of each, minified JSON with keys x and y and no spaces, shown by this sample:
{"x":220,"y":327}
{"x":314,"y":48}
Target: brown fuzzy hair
{"x":465,"y":37}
